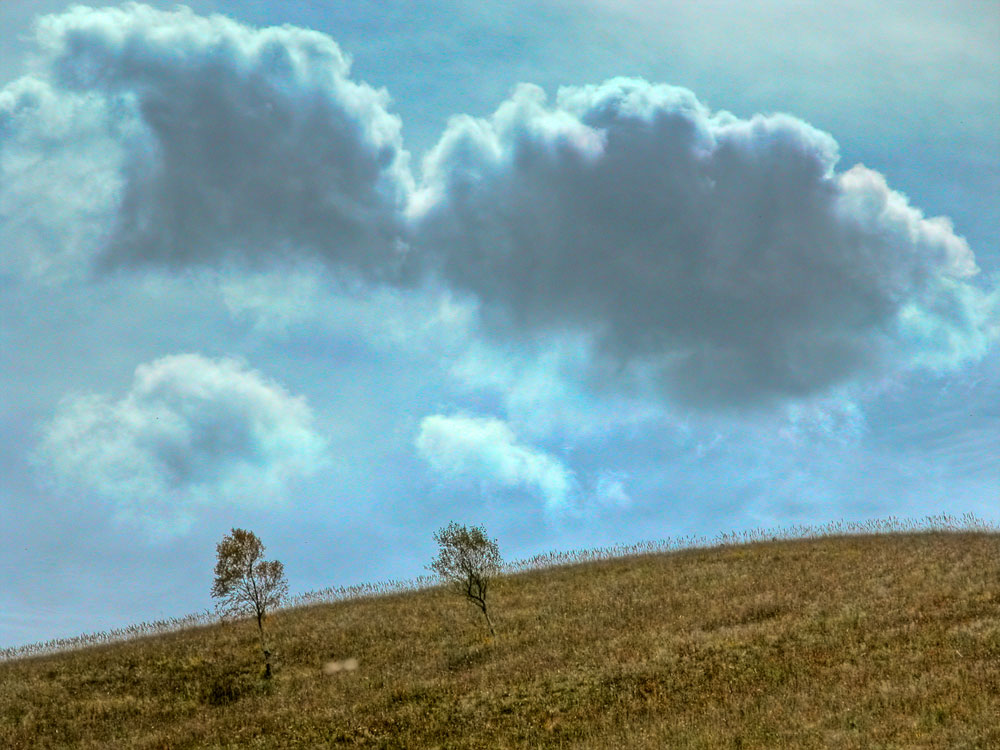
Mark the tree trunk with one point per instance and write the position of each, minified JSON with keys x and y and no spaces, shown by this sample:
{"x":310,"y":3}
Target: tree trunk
{"x":489,"y":621}
{"x":263,"y":646}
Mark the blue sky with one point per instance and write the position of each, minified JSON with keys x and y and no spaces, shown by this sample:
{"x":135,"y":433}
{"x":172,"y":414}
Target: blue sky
{"x":582,"y":272}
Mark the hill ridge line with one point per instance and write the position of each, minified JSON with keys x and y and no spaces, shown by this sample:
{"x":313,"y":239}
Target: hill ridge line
{"x":890,"y":525}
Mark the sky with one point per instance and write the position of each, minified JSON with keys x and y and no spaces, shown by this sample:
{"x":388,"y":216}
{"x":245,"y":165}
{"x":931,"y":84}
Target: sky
{"x":581,"y":272}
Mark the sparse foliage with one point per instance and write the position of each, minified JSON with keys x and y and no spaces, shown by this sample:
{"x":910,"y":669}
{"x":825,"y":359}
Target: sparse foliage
{"x":245,"y":583}
{"x":823,"y":650}
{"x":468,"y":561}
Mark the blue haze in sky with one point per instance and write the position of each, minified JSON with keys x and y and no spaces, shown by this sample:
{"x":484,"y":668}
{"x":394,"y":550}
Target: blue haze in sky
{"x":588,"y":272}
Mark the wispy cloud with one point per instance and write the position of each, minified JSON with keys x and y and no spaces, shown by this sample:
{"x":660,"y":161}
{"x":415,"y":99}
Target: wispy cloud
{"x":484,"y":449}
{"x":486,"y":452}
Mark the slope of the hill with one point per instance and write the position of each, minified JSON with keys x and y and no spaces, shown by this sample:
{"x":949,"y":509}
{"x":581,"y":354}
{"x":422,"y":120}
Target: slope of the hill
{"x":865,"y":642}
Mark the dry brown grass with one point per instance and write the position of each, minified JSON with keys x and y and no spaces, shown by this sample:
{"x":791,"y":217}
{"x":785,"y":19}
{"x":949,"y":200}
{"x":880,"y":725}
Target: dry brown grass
{"x":854,"y":642}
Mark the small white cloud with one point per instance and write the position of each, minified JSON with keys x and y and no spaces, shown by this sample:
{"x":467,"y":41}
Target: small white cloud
{"x":272,"y":301}
{"x":191,"y":431}
{"x":838,"y":419}
{"x":610,"y":491}
{"x":486,"y":449}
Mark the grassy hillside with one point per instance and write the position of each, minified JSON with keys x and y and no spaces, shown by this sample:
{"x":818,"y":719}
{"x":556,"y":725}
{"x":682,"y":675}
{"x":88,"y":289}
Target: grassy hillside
{"x":866,"y":642}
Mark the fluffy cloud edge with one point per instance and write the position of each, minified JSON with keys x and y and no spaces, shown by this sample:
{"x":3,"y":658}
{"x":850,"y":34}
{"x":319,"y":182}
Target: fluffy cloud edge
{"x":724,"y":260}
{"x":466,"y":447}
{"x":191,"y":433}
{"x":485,"y":452}
{"x":207,"y":140}
{"x":711,"y":262}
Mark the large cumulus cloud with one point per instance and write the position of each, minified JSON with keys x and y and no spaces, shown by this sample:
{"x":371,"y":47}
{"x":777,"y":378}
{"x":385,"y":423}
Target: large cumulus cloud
{"x":226,"y":140}
{"x":191,"y":431}
{"x":719,"y":261}
{"x":723,"y":259}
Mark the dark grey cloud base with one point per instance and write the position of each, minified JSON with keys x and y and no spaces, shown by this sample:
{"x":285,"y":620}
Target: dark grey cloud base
{"x":232,"y":141}
{"x":721,"y":261}
{"x":724,"y":256}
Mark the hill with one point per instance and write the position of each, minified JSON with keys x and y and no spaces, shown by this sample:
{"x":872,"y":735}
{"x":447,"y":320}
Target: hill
{"x":878,"y":641}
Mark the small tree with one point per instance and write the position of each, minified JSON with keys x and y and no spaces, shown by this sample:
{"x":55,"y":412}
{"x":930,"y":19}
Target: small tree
{"x":245,"y":583}
{"x":468,"y":561}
